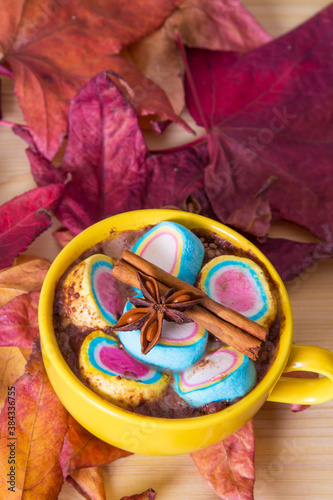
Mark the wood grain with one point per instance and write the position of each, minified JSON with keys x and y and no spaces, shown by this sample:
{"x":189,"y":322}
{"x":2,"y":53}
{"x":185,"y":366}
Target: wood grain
{"x":294,"y":457}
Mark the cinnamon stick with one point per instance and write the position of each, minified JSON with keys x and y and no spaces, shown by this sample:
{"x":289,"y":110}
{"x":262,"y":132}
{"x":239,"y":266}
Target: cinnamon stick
{"x":233,"y":336}
{"x":211,"y":305}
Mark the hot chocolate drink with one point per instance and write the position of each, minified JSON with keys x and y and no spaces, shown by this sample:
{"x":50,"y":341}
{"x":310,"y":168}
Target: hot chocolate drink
{"x":189,"y":371}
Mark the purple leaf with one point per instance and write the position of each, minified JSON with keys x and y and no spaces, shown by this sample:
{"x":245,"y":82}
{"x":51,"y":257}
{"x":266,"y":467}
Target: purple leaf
{"x":290,"y":258}
{"x":174,"y":176}
{"x":110,"y":168}
{"x":269,"y":113}
{"x":43,"y":171}
{"x":105,"y":156}
{"x":24,"y":132}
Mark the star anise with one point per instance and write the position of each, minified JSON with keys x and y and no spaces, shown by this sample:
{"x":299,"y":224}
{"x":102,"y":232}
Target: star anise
{"x":152,"y":308}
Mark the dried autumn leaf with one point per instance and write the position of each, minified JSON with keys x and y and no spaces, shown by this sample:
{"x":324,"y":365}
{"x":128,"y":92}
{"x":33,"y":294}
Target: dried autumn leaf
{"x":291,"y":258}
{"x":210,"y":24}
{"x":145,"y":95}
{"x":149,"y":494}
{"x":174,"y":176}
{"x":256,"y":213}
{"x":24,"y":277}
{"x":43,"y":171}
{"x":25,"y":134}
{"x":88,"y":482}
{"x":170,"y":178}
{"x":228,"y":466}
{"x":26,"y":352}
{"x":12,"y":363}
{"x":81,"y":455}
{"x":268,"y":110}
{"x":110,"y":167}
{"x":19,"y":321}
{"x":24,"y":218}
{"x":40,"y":427}
{"x":82,"y":449}
{"x":5,"y":72}
{"x":105,"y":156}
{"x":38,"y":471}
{"x":34,"y":36}
{"x":63,"y":236}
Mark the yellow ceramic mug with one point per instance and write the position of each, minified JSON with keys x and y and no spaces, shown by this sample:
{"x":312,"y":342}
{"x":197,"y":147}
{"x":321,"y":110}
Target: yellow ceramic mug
{"x":160,"y":436}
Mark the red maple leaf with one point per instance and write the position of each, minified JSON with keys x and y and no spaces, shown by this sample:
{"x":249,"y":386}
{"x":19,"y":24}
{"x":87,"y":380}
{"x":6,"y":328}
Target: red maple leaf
{"x":269,"y":115}
{"x":53,"y":48}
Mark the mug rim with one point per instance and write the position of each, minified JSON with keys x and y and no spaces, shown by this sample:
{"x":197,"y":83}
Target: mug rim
{"x":75,"y":248}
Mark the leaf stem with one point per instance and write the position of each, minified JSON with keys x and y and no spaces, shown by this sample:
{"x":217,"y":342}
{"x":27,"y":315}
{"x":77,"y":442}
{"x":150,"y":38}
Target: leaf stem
{"x":6,"y":72}
{"x":7,"y":124}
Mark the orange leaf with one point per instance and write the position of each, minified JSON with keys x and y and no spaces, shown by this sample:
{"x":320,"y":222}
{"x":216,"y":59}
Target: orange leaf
{"x":40,"y":427}
{"x":12,"y":363}
{"x":228,"y":466}
{"x":88,"y":482}
{"x":149,"y":494}
{"x":53,"y":48}
{"x":63,"y":236}
{"x":82,"y":449}
{"x":26,"y":276}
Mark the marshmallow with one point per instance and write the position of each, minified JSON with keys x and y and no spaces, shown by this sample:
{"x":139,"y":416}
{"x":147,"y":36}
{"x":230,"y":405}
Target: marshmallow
{"x":222,"y":375}
{"x":239,"y":283}
{"x":92,"y":296}
{"x":173,"y":248}
{"x":178,"y":347}
{"x":113,"y":374}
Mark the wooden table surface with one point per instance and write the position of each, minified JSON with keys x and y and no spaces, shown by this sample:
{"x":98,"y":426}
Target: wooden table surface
{"x":294,"y":452}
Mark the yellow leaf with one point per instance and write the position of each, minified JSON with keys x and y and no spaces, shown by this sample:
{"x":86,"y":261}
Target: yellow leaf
{"x":12,"y":363}
{"x":25,"y":276}
{"x":88,"y":482}
{"x":39,"y":424}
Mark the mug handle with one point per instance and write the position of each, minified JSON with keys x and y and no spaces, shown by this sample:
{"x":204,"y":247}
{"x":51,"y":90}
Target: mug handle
{"x":306,"y":391}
